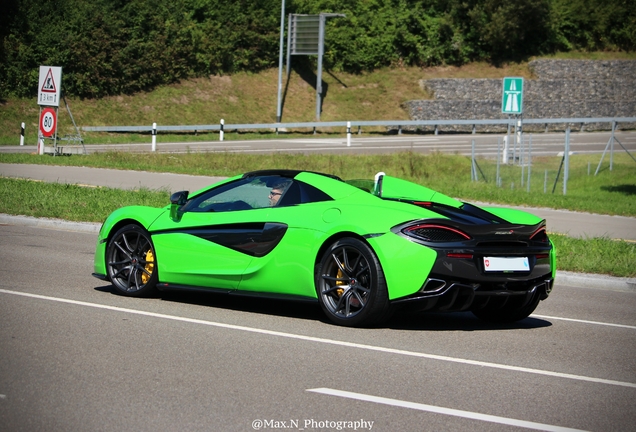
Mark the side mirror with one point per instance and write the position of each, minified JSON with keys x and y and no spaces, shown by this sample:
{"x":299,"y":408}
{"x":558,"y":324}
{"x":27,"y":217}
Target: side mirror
{"x":177,"y":199}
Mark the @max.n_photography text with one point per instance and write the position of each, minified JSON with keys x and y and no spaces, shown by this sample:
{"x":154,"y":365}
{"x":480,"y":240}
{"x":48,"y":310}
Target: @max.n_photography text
{"x":309,"y":424}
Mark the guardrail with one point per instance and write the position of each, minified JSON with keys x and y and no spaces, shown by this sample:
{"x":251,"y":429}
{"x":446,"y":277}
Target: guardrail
{"x":399,"y":124}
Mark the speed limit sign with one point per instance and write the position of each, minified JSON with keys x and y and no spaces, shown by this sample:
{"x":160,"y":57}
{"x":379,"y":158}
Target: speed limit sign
{"x":48,"y":122}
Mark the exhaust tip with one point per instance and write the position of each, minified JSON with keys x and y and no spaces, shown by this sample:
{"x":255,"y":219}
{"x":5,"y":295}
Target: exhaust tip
{"x":433,"y":285}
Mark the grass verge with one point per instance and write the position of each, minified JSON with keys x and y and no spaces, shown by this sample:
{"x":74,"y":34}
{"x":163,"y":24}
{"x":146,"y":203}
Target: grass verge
{"x":610,"y":192}
{"x":71,"y":202}
{"x":595,"y":255}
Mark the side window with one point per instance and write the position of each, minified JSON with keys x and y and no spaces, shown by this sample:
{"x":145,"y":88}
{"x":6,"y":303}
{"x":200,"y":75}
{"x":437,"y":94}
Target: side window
{"x":245,"y":194}
{"x":309,"y":194}
{"x":299,"y":193}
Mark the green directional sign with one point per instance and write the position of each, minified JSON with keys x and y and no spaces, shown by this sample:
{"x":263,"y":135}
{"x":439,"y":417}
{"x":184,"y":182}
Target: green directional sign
{"x":512,"y":98}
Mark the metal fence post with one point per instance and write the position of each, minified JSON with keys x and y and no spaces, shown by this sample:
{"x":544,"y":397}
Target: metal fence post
{"x":521,"y":162}
{"x":498,"y":160}
{"x":519,"y":133}
{"x":529,"y":161}
{"x":566,"y":170}
{"x":473,"y":170}
{"x":612,"y":147}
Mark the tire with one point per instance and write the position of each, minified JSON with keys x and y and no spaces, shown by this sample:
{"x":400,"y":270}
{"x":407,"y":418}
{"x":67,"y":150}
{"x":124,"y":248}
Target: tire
{"x":350,"y":284}
{"x":510,"y":311}
{"x":131,"y":262}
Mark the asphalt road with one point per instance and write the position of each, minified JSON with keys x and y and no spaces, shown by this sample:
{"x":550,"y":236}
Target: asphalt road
{"x":572,"y":223}
{"x":75,"y":356}
{"x":488,"y":145}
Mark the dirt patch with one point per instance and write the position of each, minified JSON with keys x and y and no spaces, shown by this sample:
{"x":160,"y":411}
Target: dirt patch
{"x":223,"y":80}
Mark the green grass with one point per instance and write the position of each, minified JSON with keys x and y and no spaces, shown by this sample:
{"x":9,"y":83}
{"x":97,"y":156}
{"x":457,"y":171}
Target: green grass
{"x":610,"y":192}
{"x":595,"y":255}
{"x":70,"y":202}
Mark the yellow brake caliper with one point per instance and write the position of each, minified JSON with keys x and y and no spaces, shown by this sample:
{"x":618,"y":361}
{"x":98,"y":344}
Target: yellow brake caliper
{"x":340,"y":275}
{"x":150,"y":266}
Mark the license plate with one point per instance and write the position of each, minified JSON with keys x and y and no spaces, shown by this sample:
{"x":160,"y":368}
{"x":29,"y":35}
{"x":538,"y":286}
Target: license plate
{"x":498,"y":264}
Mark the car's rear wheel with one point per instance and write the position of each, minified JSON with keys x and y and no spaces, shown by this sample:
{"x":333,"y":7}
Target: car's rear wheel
{"x":350,"y":284}
{"x":131,"y":261}
{"x":512,"y":309}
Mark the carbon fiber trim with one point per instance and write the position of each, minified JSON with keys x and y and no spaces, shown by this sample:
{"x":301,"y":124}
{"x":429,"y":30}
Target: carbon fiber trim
{"x":254,"y":239}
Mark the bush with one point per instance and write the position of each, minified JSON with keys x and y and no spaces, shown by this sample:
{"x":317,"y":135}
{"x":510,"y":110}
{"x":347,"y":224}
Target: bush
{"x":110,"y":47}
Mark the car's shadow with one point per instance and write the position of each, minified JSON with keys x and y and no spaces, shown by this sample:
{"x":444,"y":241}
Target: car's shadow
{"x":462,"y":321}
{"x":307,"y":310}
{"x":310,"y":311}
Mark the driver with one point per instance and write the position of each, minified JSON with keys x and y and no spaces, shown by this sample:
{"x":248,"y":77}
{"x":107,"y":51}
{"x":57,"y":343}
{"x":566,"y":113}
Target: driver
{"x":277,"y":191}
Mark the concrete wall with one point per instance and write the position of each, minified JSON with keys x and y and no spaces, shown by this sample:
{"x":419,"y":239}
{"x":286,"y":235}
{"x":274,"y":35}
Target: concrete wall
{"x":562,"y":89}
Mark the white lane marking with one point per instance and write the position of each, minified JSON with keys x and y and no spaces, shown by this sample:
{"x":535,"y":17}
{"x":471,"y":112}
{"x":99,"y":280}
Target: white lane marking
{"x":337,"y":145}
{"x":442,"y":410}
{"x":315,"y":142}
{"x":331,"y":341}
{"x":363,"y":140}
{"x":586,"y":321}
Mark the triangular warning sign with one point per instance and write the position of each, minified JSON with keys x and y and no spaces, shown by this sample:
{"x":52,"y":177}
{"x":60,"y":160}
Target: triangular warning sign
{"x":49,"y":84}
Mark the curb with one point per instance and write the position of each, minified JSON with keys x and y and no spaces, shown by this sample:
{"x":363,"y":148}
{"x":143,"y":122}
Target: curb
{"x":58,"y":224}
{"x":598,"y":281}
{"x":583,"y":280}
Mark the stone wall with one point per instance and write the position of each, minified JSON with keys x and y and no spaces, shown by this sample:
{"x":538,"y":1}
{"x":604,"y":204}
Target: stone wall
{"x":562,"y":89}
{"x":584,"y":69}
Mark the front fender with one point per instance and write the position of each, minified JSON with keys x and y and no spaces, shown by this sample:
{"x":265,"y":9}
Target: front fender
{"x":140,"y":215}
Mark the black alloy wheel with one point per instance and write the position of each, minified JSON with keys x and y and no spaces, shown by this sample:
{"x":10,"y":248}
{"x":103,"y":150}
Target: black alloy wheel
{"x":131,"y":261}
{"x":350,"y":284}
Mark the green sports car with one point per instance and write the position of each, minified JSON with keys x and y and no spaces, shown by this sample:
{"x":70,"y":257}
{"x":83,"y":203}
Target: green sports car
{"x":360,"y":248}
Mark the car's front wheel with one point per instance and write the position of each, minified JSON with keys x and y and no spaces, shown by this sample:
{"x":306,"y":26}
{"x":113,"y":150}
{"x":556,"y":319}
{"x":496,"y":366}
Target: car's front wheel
{"x":350,"y":284}
{"x":131,"y":261}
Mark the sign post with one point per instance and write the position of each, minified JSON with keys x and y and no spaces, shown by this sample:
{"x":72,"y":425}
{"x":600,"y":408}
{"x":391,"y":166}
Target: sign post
{"x":306,"y":36}
{"x":512,"y":104}
{"x":49,"y":95}
{"x":50,"y":86}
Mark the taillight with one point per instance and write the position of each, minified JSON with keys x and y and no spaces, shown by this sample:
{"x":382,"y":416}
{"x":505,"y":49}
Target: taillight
{"x":435,"y":233}
{"x":542,"y":256}
{"x":540,"y":235}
